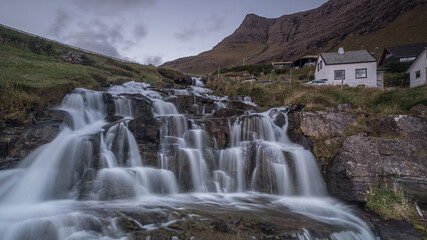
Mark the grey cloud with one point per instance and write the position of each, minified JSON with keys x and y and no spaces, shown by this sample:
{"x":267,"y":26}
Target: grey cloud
{"x":61,"y":21}
{"x":154,"y":60}
{"x":102,"y":47}
{"x":212,"y":23}
{"x":109,"y":6}
{"x":140,"y":31}
{"x":96,"y":36}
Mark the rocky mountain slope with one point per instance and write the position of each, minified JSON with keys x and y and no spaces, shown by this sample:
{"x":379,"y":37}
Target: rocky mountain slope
{"x":260,"y":39}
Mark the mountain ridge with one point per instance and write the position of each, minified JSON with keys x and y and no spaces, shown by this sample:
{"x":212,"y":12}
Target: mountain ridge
{"x":308,"y":32}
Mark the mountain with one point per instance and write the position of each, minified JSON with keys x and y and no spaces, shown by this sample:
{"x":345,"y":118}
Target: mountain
{"x":348,"y":23}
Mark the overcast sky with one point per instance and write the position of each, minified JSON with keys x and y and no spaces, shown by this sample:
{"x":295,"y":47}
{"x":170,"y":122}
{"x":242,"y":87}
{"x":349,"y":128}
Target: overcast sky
{"x":147,"y":31}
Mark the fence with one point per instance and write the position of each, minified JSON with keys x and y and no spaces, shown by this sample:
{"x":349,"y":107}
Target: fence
{"x":70,"y":46}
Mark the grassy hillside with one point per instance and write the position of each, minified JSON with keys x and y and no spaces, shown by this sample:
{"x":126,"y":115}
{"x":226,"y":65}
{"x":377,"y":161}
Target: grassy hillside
{"x":369,"y":100}
{"x":30,"y":80}
{"x":232,"y":55}
{"x":409,"y":28}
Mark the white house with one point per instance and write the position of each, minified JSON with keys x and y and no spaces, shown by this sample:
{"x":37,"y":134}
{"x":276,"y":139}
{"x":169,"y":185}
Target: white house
{"x":357,"y":68}
{"x":417,"y":71}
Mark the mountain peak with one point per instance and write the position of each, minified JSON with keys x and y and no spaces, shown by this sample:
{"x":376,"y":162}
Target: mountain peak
{"x":261,"y":39}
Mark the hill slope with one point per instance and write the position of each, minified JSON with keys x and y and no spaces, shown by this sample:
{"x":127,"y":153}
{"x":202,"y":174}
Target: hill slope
{"x":32,"y":77}
{"x":348,"y":23}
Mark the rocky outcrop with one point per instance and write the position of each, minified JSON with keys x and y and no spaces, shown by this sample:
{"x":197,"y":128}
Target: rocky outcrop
{"x":77,"y":58}
{"x":16,"y":142}
{"x":412,"y":129}
{"x":364,"y":163}
{"x":391,"y":154}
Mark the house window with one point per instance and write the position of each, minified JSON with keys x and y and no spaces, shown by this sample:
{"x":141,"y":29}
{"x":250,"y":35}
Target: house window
{"x":339,"y":74}
{"x":361,"y":73}
{"x":319,"y":65}
{"x":417,"y":74}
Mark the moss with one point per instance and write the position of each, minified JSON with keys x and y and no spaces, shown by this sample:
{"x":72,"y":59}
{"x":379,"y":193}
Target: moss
{"x":420,"y":153}
{"x":327,"y":152}
{"x":389,"y":205}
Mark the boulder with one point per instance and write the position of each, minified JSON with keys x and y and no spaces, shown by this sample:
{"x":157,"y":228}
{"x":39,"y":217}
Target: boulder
{"x":77,"y":58}
{"x":320,"y":124}
{"x":364,"y":163}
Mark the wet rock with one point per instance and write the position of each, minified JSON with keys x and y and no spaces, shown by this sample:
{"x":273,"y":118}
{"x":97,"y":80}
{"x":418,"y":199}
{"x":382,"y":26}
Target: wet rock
{"x":219,"y":129}
{"x":16,"y":142}
{"x":295,"y":133}
{"x":280,"y":119}
{"x":364,"y":163}
{"x":325,"y":123}
{"x":193,"y":105}
{"x":219,"y":225}
{"x":127,"y":225}
{"x":240,"y":105}
{"x":391,"y":229}
{"x":228,"y":112}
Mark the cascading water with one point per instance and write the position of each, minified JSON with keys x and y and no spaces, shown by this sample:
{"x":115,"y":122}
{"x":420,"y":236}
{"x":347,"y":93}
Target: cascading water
{"x":81,"y":184}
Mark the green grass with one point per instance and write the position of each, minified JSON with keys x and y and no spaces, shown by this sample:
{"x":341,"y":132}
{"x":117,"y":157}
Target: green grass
{"x":389,"y":205}
{"x":29,"y":81}
{"x":279,"y":93}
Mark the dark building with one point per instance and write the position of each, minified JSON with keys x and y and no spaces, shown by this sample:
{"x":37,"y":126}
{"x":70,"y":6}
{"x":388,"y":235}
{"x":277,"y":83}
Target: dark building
{"x":306,"y":61}
{"x":402,"y":53}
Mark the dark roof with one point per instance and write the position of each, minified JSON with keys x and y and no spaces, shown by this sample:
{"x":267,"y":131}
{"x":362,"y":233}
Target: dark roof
{"x":410,"y":50}
{"x":360,"y":56}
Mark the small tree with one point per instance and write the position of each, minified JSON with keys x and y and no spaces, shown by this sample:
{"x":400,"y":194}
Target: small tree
{"x":285,"y":70}
{"x":35,"y":46}
{"x":48,"y":49}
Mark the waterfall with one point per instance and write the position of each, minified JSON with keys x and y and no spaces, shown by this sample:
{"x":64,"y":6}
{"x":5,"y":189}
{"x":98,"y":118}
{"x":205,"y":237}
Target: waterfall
{"x":71,"y":187}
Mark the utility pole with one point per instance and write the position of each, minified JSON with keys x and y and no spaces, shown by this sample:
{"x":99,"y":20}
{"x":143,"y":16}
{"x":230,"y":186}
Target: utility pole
{"x":219,"y":68}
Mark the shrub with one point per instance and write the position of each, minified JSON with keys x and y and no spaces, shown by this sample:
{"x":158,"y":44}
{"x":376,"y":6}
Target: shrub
{"x":170,"y":73}
{"x":35,"y":46}
{"x":285,"y":70}
{"x":398,"y":67}
{"x":302,"y":77}
{"x":397,"y":79}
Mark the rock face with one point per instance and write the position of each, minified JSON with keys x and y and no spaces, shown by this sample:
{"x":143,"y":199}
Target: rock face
{"x":412,"y":129}
{"x":364,"y":163}
{"x":17,"y":142}
{"x":334,"y":19}
{"x":393,"y":154}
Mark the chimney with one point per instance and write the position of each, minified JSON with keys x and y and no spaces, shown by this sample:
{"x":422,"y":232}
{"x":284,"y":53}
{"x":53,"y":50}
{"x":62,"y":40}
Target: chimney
{"x":341,"y":50}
